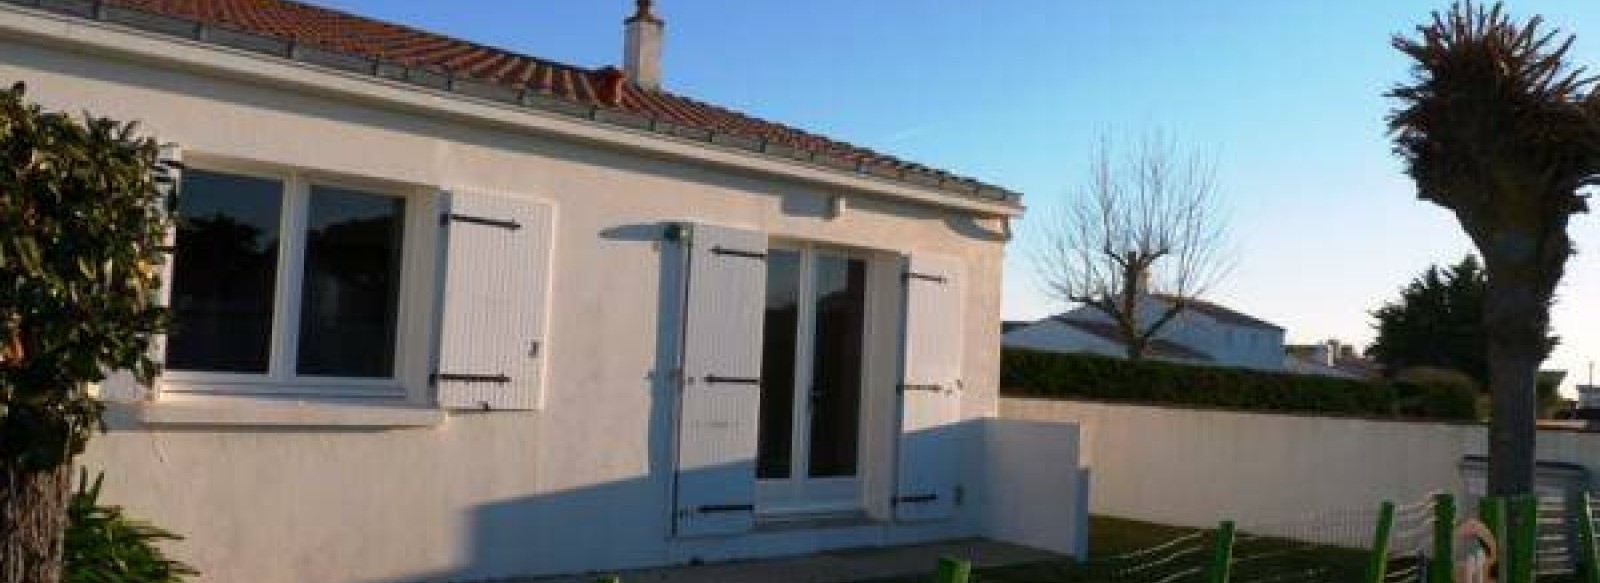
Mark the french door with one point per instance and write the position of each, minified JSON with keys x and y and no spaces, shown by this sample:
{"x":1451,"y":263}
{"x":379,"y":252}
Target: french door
{"x":808,"y":444}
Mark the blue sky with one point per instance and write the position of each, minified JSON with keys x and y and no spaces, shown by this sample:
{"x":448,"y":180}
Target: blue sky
{"x":1286,"y":95}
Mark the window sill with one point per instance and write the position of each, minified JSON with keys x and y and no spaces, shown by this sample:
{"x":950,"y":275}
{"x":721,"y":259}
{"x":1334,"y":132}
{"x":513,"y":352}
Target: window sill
{"x":244,"y":412}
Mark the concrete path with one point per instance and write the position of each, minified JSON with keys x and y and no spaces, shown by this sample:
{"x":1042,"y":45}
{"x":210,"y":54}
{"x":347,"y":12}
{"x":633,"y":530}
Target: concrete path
{"x":836,"y":566}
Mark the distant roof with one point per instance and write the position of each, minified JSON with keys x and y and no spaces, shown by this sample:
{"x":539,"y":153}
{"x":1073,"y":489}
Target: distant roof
{"x":330,"y":38}
{"x":1110,"y":333}
{"x":1225,"y":314}
{"x":1355,"y":367}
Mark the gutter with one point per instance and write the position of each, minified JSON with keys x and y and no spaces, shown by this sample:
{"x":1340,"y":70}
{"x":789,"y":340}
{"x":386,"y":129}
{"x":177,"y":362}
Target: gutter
{"x":170,"y":41}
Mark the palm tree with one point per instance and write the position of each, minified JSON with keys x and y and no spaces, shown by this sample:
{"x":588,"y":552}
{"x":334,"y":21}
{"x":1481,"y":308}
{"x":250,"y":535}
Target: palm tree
{"x":1498,"y":127}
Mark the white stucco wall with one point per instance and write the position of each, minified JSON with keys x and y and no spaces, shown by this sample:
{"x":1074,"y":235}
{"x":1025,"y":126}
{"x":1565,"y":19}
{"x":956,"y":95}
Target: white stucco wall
{"x":1196,"y":467}
{"x":1037,"y":489}
{"x":581,"y":484}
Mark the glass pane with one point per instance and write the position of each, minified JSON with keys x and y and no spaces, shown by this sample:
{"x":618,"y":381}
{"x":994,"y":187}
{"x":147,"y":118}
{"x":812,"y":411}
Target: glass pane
{"x":836,"y":368}
{"x":351,"y":292}
{"x":773,"y":441}
{"x":224,"y":271}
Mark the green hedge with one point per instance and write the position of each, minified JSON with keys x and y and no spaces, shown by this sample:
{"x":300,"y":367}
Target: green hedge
{"x":1027,"y":373}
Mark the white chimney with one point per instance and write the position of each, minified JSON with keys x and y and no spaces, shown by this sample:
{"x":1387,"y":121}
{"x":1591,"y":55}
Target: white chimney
{"x":641,"y":52}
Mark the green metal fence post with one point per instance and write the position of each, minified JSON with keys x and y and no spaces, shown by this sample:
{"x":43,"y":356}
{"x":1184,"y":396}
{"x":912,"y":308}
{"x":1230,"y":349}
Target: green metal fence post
{"x":1523,"y":530}
{"x":1492,"y":513}
{"x":1222,"y":555}
{"x":1588,"y":570}
{"x":1378,"y":560}
{"x":1444,"y":538}
{"x":953,"y":571}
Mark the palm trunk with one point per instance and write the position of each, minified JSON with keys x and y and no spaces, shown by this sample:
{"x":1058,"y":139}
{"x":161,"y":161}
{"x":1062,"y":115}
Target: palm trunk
{"x":1517,"y":317}
{"x":1512,"y":425}
{"x":33,"y":518}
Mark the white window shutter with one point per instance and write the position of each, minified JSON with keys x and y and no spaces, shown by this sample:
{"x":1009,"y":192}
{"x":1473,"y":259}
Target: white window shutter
{"x":720,"y":400}
{"x":495,"y":303}
{"x":926,"y":486}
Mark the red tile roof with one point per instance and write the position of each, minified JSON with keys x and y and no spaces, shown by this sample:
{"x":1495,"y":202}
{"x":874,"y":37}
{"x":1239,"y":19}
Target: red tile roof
{"x":304,"y":24}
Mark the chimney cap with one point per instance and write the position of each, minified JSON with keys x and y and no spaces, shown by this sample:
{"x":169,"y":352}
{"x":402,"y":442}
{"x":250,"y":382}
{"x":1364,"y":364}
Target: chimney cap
{"x":644,"y":11}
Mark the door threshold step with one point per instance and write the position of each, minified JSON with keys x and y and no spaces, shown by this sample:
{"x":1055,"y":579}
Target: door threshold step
{"x":813,"y":521}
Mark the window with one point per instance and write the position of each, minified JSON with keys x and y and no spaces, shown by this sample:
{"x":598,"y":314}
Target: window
{"x":283,"y":278}
{"x":224,"y":274}
{"x":351,"y":287}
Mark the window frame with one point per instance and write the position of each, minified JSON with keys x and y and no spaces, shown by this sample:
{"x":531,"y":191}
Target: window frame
{"x":282,"y":377}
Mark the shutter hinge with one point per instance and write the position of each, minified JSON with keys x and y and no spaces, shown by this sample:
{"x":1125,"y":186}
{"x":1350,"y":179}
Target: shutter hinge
{"x":910,"y":275}
{"x":720,"y":250}
{"x":724,"y":508}
{"x":913,"y":499}
{"x":715,"y":379}
{"x":447,"y":218}
{"x":471,"y":378}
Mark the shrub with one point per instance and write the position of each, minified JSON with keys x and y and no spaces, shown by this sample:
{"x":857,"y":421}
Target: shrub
{"x":1028,"y":373}
{"x":1437,"y":393}
{"x":103,"y":545}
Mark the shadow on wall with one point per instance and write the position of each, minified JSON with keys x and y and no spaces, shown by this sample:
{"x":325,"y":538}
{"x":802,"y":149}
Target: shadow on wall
{"x":626,"y":522}
{"x":1021,"y":480}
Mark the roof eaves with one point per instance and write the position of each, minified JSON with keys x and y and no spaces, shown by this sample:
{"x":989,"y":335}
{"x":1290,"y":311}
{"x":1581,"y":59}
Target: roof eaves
{"x":434,"y":78}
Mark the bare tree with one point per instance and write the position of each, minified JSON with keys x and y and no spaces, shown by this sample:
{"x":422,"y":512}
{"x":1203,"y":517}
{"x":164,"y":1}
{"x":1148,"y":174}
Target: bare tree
{"x":1140,"y":241}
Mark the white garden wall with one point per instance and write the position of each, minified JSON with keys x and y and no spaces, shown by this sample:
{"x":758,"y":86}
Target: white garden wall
{"x":1197,"y":467}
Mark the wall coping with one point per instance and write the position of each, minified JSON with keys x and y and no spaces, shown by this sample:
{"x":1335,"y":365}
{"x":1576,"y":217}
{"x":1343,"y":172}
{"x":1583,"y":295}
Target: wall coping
{"x":1550,"y":425}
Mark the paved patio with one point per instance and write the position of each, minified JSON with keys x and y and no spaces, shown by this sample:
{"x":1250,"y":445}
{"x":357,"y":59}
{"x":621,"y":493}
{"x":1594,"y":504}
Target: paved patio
{"x":836,"y":566}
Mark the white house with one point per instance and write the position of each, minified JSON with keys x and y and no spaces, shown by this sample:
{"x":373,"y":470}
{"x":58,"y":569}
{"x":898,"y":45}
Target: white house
{"x":1203,"y":333}
{"x":445,"y":312}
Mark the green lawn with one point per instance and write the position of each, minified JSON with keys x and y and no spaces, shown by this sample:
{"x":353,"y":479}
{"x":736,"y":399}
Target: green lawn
{"x":1258,"y":560}
{"x":1110,"y":538}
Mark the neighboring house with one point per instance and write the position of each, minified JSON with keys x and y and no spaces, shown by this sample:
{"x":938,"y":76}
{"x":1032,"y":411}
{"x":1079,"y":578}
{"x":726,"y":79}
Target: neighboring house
{"x":1332,"y":359}
{"x":448,"y":312}
{"x":1063,"y":334}
{"x":1204,"y":333}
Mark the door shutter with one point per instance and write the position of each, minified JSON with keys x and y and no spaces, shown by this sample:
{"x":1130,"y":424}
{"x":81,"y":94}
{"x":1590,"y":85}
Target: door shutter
{"x":496,"y":288}
{"x":720,"y":401}
{"x":930,"y":393}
